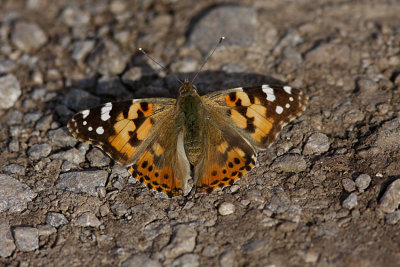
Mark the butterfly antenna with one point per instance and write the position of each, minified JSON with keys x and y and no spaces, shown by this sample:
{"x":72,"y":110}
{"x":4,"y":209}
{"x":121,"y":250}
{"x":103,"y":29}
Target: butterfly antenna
{"x":209,"y":55}
{"x":159,"y":64}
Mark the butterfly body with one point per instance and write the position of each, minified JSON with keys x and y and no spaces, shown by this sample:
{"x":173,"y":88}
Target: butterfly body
{"x":212,"y":139}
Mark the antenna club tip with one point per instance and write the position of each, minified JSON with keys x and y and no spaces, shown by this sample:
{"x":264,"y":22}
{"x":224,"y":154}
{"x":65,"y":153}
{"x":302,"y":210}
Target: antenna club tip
{"x":140,"y":49}
{"x":223,"y":37}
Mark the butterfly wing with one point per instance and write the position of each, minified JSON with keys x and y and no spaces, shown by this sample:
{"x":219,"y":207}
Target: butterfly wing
{"x":258,"y":113}
{"x":242,"y":121}
{"x":142,"y":133}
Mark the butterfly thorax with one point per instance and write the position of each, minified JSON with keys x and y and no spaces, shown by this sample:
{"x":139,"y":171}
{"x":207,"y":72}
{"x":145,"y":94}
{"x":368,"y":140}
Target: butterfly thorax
{"x":190,"y":103}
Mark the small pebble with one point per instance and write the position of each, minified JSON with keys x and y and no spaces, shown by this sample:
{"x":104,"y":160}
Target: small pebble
{"x":26,"y":238}
{"x":393,"y":218}
{"x":348,"y":185}
{"x":56,"y":219}
{"x":226,"y":208}
{"x":391,"y":198}
{"x":350,"y":202}
{"x":10,"y":91}
{"x":363,"y":181}
{"x":88,"y":219}
{"x":316,"y":144}
{"x":39,"y":151}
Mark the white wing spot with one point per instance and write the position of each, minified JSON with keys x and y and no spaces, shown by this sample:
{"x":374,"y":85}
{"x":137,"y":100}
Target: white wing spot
{"x":238,"y":88}
{"x":279,"y":109}
{"x":269,"y":91}
{"x":90,"y":129}
{"x":288,"y":89}
{"x":287,"y":105}
{"x":291,"y":99}
{"x":105,"y":111}
{"x":84,"y":122}
{"x":85,"y":113}
{"x":100,"y":130}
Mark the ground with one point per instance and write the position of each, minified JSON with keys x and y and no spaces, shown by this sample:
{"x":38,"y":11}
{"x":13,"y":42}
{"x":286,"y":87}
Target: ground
{"x":325,"y":193}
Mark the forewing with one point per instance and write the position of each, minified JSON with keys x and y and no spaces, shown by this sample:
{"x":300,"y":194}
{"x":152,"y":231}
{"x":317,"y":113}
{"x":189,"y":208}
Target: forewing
{"x":258,"y":113}
{"x":121,"y":128}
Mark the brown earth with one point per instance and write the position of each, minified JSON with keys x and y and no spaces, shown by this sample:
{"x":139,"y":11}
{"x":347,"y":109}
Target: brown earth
{"x":298,"y":207}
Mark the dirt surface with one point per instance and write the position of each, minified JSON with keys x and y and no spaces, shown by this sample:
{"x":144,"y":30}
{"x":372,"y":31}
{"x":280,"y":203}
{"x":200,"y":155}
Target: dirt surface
{"x":324,"y":194}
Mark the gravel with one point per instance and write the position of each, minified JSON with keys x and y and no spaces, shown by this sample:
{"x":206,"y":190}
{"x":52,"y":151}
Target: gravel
{"x":390,"y":200}
{"x":28,"y":36}
{"x":7,"y":245}
{"x":350,"y":202}
{"x":183,"y":241}
{"x":26,"y":238}
{"x":56,"y":219}
{"x":82,"y":182}
{"x":10,"y":91}
{"x":88,"y":219}
{"x":14,"y":195}
{"x":317,"y":144}
{"x":39,"y":151}
{"x":226,"y":208}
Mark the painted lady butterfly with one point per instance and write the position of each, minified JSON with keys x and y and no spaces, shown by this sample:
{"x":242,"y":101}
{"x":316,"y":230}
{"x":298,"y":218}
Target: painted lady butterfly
{"x":213,"y":138}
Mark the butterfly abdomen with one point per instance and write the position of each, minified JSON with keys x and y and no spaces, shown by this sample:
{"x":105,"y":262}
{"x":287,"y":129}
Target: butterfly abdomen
{"x":191,"y":107}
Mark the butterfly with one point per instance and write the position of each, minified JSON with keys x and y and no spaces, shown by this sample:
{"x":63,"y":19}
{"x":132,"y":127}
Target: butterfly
{"x":212,"y":139}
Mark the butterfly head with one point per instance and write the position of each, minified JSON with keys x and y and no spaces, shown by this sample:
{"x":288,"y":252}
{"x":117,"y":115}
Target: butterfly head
{"x":187,"y":89}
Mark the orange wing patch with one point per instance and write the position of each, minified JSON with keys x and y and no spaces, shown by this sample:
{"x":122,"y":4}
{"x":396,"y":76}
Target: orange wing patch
{"x":218,"y":176}
{"x":160,"y":179}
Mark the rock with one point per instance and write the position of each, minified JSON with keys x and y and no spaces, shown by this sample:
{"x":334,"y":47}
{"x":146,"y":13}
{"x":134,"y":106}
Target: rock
{"x":140,"y":260}
{"x":316,"y":144}
{"x":75,"y":17}
{"x":348,"y":185}
{"x":28,"y":36}
{"x":56,"y":219}
{"x":32,"y":117}
{"x":26,"y":238}
{"x":111,"y":86}
{"x":363,"y":181}
{"x":82,"y":49}
{"x":290,"y":163}
{"x":393,"y":218}
{"x":13,"y":146}
{"x":183,"y":241}
{"x":14,"y":195}
{"x":9,"y":91}
{"x":388,"y":137}
{"x":78,"y":100}
{"x":7,"y":66}
{"x":119,"y":209}
{"x":88,"y":219}
{"x":44,"y":123}
{"x":391,"y":198}
{"x":187,"y":260}
{"x":226,"y":208}
{"x":14,"y":118}
{"x":82,"y":182}
{"x":350,"y":202}
{"x":62,"y":138}
{"x":72,"y":155}
{"x":39,"y":151}
{"x":97,"y":158}
{"x":237,"y":23}
{"x":7,"y":245}
{"x":107,"y":59}
{"x":14,"y":169}
{"x":227,"y":258}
